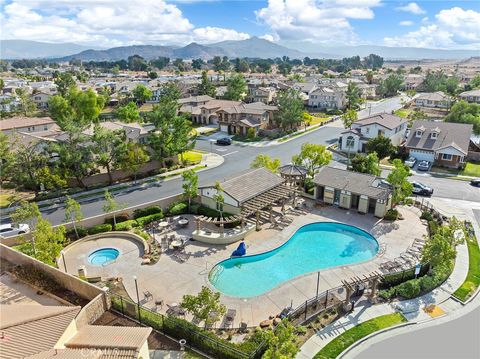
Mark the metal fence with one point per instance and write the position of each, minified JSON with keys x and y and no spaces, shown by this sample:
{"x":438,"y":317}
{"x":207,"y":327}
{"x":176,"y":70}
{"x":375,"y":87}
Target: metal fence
{"x":179,"y":329}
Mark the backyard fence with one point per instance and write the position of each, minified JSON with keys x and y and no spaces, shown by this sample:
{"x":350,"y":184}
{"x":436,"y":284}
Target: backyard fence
{"x":178,"y":329}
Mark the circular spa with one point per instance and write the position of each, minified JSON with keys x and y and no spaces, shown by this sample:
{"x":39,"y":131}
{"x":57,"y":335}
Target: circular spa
{"x":313,"y":247}
{"x":103,"y":256}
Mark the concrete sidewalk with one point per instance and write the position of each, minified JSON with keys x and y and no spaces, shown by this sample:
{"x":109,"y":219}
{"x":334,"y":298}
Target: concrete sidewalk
{"x":412,"y":309}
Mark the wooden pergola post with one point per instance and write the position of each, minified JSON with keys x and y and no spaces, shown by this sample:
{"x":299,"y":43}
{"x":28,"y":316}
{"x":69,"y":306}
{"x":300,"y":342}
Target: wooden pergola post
{"x":222,"y":229}
{"x":270,"y":209}
{"x":197,"y":223}
{"x":373,"y":291}
{"x":242,"y":223}
{"x":257,"y":224}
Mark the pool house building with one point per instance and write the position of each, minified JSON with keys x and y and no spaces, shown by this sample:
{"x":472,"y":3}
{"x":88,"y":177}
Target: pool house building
{"x":352,"y":190}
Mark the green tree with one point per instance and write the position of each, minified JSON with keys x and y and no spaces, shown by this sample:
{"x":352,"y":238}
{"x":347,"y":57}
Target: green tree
{"x":281,"y":342}
{"x":197,"y":64}
{"x":25,"y":106}
{"x":353,"y":95}
{"x":109,"y":148}
{"x":290,"y":109}
{"x":218,"y":197}
{"x":206,"y":87}
{"x":141,"y":94}
{"x":464,"y":112}
{"x":366,"y":164}
{"x":50,"y":179}
{"x":369,"y":77}
{"x":264,"y":161}
{"x":136,"y":63}
{"x":160,"y":63}
{"x":217,"y":63}
{"x":112,"y":206}
{"x":27,"y":212}
{"x":438,"y":249}
{"x":373,"y":62}
{"x":474,"y":83}
{"x":179,"y":64}
{"x":241,"y":65}
{"x":135,"y":157}
{"x":205,"y":306}
{"x":381,"y":145}
{"x":28,"y":161}
{"x":190,"y":186}
{"x":48,"y":242}
{"x":64,"y":81}
{"x":236,"y":88}
{"x":73,"y":213}
{"x":128,"y":113}
{"x":390,"y":86}
{"x":7,"y":158}
{"x":349,"y":117}
{"x":152,"y":75}
{"x":398,"y":178}
{"x":312,"y":157}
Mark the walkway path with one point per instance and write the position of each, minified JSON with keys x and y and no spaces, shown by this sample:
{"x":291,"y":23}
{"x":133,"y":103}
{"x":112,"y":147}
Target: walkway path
{"x":412,"y":309}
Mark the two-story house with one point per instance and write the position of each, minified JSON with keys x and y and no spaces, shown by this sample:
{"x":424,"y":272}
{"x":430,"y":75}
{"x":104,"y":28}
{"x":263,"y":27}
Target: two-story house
{"x":239,"y":119}
{"x":382,"y":124}
{"x":41,"y":99}
{"x":327,"y":98}
{"x":433,"y":100}
{"x":26,"y":124}
{"x":470,"y":96}
{"x":441,"y":143}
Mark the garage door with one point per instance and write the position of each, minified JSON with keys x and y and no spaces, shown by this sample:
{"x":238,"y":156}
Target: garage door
{"x":224,"y":128}
{"x":423,"y":155}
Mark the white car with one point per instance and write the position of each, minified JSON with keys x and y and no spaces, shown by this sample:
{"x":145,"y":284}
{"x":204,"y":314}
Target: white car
{"x":411,"y":162}
{"x":8,"y":230}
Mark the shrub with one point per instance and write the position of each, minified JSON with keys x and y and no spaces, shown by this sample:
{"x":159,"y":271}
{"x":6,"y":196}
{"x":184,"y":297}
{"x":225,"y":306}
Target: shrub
{"x":427,"y":283}
{"x":194,"y":208}
{"x":427,"y":215}
{"x":143,"y":212}
{"x":143,"y":221}
{"x":178,"y":208}
{"x":126,"y":226}
{"x":387,"y":293}
{"x":119,"y":218}
{"x":409,"y":289}
{"x":141,"y":233}
{"x":207,"y":211}
{"x":100,"y":228}
{"x":391,"y":215}
{"x":251,"y":133}
{"x":82,"y":232}
{"x":432,"y":227}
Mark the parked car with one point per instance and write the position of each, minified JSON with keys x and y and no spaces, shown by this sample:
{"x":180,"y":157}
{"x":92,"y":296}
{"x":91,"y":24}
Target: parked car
{"x":411,"y":162}
{"x":384,"y":184}
{"x":224,"y":141}
{"x":475,"y":182}
{"x":423,"y":166}
{"x":8,"y":230}
{"x":421,"y":189}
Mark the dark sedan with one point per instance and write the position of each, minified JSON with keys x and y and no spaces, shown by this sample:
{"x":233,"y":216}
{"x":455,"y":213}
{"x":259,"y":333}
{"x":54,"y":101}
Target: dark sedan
{"x":475,"y":182}
{"x":225,"y":141}
{"x":421,"y":189}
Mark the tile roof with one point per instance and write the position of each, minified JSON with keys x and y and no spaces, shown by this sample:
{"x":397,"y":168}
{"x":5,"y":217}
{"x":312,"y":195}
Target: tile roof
{"x":220,"y":104}
{"x":358,"y":183}
{"x":99,"y":336}
{"x":386,"y":120}
{"x":22,"y":122}
{"x":470,"y":93}
{"x":201,"y":98}
{"x":24,"y":328}
{"x":456,"y":135}
{"x":433,"y":96}
{"x":250,"y":184}
{"x":83,"y":353}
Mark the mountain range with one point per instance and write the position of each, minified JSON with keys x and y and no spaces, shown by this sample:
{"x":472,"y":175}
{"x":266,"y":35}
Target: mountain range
{"x":253,"y":47}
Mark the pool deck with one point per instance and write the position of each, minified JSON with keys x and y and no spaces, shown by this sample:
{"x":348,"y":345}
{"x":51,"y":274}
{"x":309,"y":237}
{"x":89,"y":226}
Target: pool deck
{"x":170,"y":279}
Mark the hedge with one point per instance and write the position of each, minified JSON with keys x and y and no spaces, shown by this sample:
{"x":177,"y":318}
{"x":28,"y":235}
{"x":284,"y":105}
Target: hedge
{"x":126,"y":226}
{"x":143,"y":221}
{"x":147,"y":211}
{"x":82,"y":232}
{"x":119,"y":218}
{"x":100,"y":228}
{"x":178,"y":208}
{"x":207,"y":211}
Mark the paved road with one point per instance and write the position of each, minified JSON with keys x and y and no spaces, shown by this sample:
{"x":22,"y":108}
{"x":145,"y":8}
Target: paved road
{"x":456,"y":339}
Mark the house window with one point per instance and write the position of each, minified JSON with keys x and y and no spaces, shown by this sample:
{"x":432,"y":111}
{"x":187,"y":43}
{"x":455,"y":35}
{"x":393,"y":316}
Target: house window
{"x":446,"y":157}
{"x":418,"y":133}
{"x":367,"y":130}
{"x":350,"y":142}
{"x":45,"y":127}
{"x":434,"y":135}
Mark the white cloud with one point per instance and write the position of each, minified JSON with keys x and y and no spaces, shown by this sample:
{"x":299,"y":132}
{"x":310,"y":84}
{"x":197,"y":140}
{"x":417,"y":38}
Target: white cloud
{"x":452,"y":28}
{"x":405,"y":23}
{"x":313,"y":20}
{"x":105,"y":23}
{"x":413,"y":8}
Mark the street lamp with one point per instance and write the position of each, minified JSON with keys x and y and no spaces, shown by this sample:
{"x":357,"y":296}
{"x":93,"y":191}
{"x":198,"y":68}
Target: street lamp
{"x":62,"y":252}
{"x":138,"y":298}
{"x":211,"y":145}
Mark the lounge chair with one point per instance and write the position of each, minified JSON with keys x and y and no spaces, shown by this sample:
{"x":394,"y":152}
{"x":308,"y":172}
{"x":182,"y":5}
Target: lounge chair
{"x":148,"y":296}
{"x":230,"y":317}
{"x":389,"y":265}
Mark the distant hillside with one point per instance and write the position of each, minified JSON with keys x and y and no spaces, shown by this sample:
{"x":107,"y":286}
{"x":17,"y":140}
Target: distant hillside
{"x":148,"y":52}
{"x":25,"y":49}
{"x":256,"y":47}
{"x":195,"y":51}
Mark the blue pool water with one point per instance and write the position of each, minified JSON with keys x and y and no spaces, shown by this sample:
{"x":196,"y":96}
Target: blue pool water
{"x":102,"y":256}
{"x":312,"y":247}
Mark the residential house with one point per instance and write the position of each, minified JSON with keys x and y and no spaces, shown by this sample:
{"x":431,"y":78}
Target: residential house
{"x":327,"y":98}
{"x":352,"y":190}
{"x":8,"y":102}
{"x":470,"y":96}
{"x":433,"y":100}
{"x":41,"y":99}
{"x":208,"y":111}
{"x":240,"y":118}
{"x":413,"y":81}
{"x":441,"y":143}
{"x":382,"y":124}
{"x":261,"y":94}
{"x":26,"y":124}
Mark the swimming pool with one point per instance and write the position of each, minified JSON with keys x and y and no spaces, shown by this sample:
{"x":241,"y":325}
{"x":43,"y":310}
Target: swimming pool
{"x":102,"y":256}
{"x":313,"y":247}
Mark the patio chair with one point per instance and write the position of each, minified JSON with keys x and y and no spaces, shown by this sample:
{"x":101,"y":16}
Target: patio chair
{"x":402,"y":262}
{"x":229,"y":317}
{"x":148,"y":296}
{"x":389,"y":265}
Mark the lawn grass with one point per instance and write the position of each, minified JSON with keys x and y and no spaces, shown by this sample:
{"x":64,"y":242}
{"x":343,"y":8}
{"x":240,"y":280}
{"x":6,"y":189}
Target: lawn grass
{"x":403,"y":112}
{"x":346,"y":339}
{"x":317,"y":120}
{"x":472,"y":281}
{"x":471,"y":169}
{"x":192,"y":157}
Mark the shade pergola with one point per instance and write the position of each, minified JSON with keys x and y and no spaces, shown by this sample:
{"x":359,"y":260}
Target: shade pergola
{"x":220,"y":221}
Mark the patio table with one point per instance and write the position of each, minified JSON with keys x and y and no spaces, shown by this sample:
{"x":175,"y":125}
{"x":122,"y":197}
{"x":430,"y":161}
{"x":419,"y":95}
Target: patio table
{"x":183,"y":222}
{"x":163,"y":225}
{"x":177,"y":243}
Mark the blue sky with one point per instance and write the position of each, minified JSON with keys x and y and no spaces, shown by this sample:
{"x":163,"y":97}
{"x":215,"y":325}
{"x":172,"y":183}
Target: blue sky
{"x":303,"y":24}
